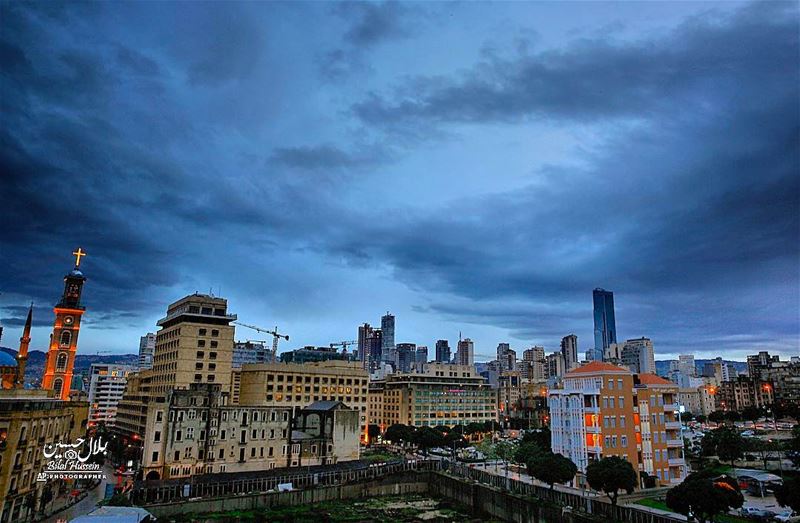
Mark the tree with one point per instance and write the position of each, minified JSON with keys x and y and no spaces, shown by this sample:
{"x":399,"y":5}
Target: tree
{"x":788,"y":494}
{"x":703,"y":497}
{"x":473,"y":428}
{"x":399,"y":433}
{"x":751,"y":413}
{"x":611,"y":475}
{"x":648,"y":481}
{"x":794,"y":446}
{"x":763,"y":448}
{"x":732,"y":415}
{"x":426,"y":438}
{"x":540,"y":437}
{"x":718,"y":416}
{"x":725,"y":443}
{"x":527,"y":452}
{"x":444,"y":429}
{"x":700,"y":418}
{"x":552,"y":468}
{"x":373,"y":431}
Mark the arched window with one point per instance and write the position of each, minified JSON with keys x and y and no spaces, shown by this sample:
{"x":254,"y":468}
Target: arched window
{"x":57,"y":384}
{"x":61,"y":363}
{"x":66,"y":337}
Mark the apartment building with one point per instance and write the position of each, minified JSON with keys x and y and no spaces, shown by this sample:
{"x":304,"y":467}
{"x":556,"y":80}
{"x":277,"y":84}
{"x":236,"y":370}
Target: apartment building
{"x":29,"y":420}
{"x":199,"y":432}
{"x":194,"y":344}
{"x":440,"y":395}
{"x":605,"y":410}
{"x":106,"y":388}
{"x":509,"y":392}
{"x":697,"y":400}
{"x":742,"y":392}
{"x":299,"y":385}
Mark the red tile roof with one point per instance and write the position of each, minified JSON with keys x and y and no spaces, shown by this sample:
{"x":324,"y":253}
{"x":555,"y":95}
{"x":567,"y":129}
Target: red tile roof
{"x":598,"y":367}
{"x":652,"y":379}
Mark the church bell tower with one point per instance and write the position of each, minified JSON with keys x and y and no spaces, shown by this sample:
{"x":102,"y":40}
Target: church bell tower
{"x":64,"y":340}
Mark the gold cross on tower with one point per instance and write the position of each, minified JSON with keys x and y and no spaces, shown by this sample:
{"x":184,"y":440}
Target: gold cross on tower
{"x":78,"y":255}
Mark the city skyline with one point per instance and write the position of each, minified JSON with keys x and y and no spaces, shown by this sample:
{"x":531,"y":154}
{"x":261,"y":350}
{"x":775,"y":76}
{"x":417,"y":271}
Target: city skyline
{"x":502,"y":186}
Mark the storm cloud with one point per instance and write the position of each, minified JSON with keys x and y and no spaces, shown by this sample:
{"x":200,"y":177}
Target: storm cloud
{"x":205,"y":148}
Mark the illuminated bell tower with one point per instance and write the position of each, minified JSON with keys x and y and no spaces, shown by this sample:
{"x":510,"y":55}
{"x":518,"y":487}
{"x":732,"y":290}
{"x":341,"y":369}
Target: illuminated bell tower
{"x":64,"y":340}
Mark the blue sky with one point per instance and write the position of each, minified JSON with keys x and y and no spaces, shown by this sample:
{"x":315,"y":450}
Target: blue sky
{"x":470,"y":167}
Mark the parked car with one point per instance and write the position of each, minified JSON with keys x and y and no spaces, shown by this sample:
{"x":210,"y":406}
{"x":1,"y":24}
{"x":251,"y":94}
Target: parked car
{"x":787,"y":516}
{"x":757,"y":513}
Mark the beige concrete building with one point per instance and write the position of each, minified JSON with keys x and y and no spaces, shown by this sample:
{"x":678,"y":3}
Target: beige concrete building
{"x":194,"y":345}
{"x":29,"y":420}
{"x":697,"y":400}
{"x":441,"y":395}
{"x":199,"y":432}
{"x":299,"y":385}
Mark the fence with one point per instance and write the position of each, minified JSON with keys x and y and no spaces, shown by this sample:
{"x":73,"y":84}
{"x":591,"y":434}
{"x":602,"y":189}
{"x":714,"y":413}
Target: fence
{"x":579,"y":500}
{"x":225,"y":485}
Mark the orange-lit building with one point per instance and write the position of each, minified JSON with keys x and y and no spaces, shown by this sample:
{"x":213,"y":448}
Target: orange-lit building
{"x":64,"y":340}
{"x":604,"y":410}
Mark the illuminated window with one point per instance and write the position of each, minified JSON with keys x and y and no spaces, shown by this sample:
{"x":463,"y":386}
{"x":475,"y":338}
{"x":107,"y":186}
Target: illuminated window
{"x":66,"y":337}
{"x":61,"y":363}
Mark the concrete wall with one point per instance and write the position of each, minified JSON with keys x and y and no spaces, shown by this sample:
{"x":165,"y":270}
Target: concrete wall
{"x":405,"y":483}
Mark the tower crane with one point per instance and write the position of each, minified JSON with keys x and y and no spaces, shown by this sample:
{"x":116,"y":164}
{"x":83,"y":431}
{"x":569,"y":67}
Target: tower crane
{"x":274,"y":332}
{"x":344,"y":344}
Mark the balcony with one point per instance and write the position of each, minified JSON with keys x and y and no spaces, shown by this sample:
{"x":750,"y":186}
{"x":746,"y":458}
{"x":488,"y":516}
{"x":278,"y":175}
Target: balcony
{"x":672,"y":425}
{"x":596,"y":449}
{"x":670,"y":407}
{"x":676,"y":462}
{"x":674,"y":443}
{"x":593,"y":429}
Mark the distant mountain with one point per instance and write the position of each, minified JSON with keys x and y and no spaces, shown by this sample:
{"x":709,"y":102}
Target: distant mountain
{"x":34,"y":370}
{"x":662,"y":366}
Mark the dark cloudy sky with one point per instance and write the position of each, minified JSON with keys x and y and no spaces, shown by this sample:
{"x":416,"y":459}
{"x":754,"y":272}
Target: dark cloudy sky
{"x":470,"y":167}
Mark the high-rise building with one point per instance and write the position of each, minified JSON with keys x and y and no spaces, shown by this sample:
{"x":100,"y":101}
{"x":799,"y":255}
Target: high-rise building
{"x":64,"y":341}
{"x":106,"y":387}
{"x":421,"y":358}
{"x":465,"y":355}
{"x":442,"y":351}
{"x":638,"y":355}
{"x":506,"y":357}
{"x":406,"y":356}
{"x":569,"y":351}
{"x":554,"y":365}
{"x":535,"y":362}
{"x":147,"y":345}
{"x":605,"y":410}
{"x":194,"y":345}
{"x":388,"y":353}
{"x":686,"y":365}
{"x":782,"y":376}
{"x":605,"y":325}
{"x":364,"y":334}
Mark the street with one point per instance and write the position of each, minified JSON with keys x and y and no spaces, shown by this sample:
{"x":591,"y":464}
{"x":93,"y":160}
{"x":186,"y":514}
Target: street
{"x":87,"y":504}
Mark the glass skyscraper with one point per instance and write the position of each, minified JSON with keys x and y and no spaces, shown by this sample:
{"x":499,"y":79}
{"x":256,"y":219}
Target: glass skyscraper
{"x":605,"y":326}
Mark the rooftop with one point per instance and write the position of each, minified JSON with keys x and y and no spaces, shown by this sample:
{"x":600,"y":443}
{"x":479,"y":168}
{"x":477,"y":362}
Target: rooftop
{"x":652,"y":379}
{"x":598,"y":367}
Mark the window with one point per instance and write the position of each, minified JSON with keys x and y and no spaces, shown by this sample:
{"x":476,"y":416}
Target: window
{"x":159,"y":415}
{"x":611,"y":402}
{"x":610,"y":384}
{"x":622,"y":402}
{"x":213,"y":344}
{"x":622,"y":421}
{"x":61,"y":363}
{"x":200,"y":354}
{"x":201,"y":343}
{"x":214,"y":332}
{"x":202,"y":332}
{"x":157,"y":436}
{"x":155,"y":456}
{"x":624,"y":441}
{"x":212,"y":355}
{"x":66,"y":337}
{"x":57,"y":384}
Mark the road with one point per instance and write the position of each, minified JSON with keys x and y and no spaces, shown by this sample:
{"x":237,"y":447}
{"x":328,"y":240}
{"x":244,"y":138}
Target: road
{"x":85,"y":505}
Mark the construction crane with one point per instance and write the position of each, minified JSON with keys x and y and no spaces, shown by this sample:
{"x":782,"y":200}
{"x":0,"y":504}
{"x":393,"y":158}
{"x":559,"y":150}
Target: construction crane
{"x":275,"y":336}
{"x":344,"y":344}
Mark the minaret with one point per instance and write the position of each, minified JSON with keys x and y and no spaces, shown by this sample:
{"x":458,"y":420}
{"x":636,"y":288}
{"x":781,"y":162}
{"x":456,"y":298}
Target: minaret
{"x":64,"y":340}
{"x":22,"y":355}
